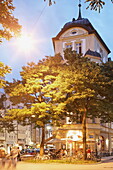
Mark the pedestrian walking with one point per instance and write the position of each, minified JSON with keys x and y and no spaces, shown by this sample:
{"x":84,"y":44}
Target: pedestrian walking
{"x":13,"y":157}
{"x":3,"y":157}
{"x":88,"y":153}
{"x":18,"y":156}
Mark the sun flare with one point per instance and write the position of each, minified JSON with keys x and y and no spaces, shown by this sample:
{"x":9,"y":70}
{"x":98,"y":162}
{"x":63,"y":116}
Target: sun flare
{"x":25,"y":42}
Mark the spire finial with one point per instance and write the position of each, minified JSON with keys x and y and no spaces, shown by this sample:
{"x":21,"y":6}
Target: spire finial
{"x":79,"y":16}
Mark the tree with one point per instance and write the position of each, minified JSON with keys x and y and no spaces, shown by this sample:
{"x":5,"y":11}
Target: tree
{"x":9,"y":24}
{"x":107,"y":71}
{"x":96,"y":5}
{"x":54,"y":88}
{"x":93,"y":4}
{"x":4,"y":69}
{"x":5,"y":124}
{"x":82,"y":88}
{"x":34,"y":92}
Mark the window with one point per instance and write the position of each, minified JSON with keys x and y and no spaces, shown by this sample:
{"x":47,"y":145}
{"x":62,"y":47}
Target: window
{"x":74,"y":32}
{"x":68,"y":121}
{"x":101,"y":52}
{"x":68,"y":118}
{"x":11,"y":137}
{"x":93,"y":120}
{"x":68,"y":45}
{"x":78,"y":48}
{"x":2,"y":134}
{"x":91,"y":136}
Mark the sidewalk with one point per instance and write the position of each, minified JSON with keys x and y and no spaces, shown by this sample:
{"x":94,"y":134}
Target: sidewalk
{"x":104,"y":159}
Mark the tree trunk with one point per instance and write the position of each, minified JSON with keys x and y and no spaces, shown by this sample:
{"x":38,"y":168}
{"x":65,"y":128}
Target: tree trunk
{"x":42,"y":142}
{"x":84,"y":135}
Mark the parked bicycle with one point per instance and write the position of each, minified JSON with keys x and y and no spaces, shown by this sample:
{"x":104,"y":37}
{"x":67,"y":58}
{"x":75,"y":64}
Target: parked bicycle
{"x":44,"y":157}
{"x":95,"y":157}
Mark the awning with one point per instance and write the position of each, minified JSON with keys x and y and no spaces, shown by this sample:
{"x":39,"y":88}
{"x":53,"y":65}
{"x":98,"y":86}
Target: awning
{"x":54,"y":141}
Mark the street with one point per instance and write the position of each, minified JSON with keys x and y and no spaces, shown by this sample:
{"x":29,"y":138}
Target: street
{"x":32,"y":166}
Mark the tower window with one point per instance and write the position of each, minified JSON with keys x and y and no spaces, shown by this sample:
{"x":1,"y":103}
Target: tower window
{"x":74,"y":32}
{"x":78,"y":48}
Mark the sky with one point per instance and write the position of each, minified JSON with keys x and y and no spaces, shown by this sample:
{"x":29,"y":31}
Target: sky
{"x":41,"y":22}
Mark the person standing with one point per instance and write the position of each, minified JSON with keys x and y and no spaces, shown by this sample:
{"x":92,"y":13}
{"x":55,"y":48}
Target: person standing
{"x":13,"y":157}
{"x":88,"y":153}
{"x":65,"y":153}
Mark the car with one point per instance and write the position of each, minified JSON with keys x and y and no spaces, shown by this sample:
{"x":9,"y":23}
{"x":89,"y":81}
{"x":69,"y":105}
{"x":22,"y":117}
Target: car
{"x":26,"y":157}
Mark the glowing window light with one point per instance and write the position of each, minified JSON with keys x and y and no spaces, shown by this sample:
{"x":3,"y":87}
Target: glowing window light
{"x":75,"y":135}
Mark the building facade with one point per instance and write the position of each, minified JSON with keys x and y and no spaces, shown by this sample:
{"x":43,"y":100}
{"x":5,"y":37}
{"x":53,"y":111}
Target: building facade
{"x":21,"y":136}
{"x":81,"y":36}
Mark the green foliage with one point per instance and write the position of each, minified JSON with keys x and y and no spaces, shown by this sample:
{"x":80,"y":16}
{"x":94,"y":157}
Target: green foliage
{"x":4,"y":69}
{"x":52,"y":88}
{"x":77,"y":81}
{"x":85,"y":85}
{"x":2,"y":100}
{"x":69,"y":160}
{"x":36,"y":92}
{"x":107,"y":69}
{"x":83,"y":88}
{"x":55,"y":88}
{"x":107,"y":95}
{"x":50,"y":2}
{"x":96,"y":5}
{"x":6,"y":124}
{"x":9,"y":24}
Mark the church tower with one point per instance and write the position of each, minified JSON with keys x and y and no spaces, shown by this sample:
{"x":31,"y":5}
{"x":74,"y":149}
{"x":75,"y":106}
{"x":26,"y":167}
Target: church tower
{"x":81,"y":36}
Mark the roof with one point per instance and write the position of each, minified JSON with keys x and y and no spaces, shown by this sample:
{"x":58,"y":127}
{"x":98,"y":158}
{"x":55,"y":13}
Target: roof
{"x":93,"y":53}
{"x":83,"y":23}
